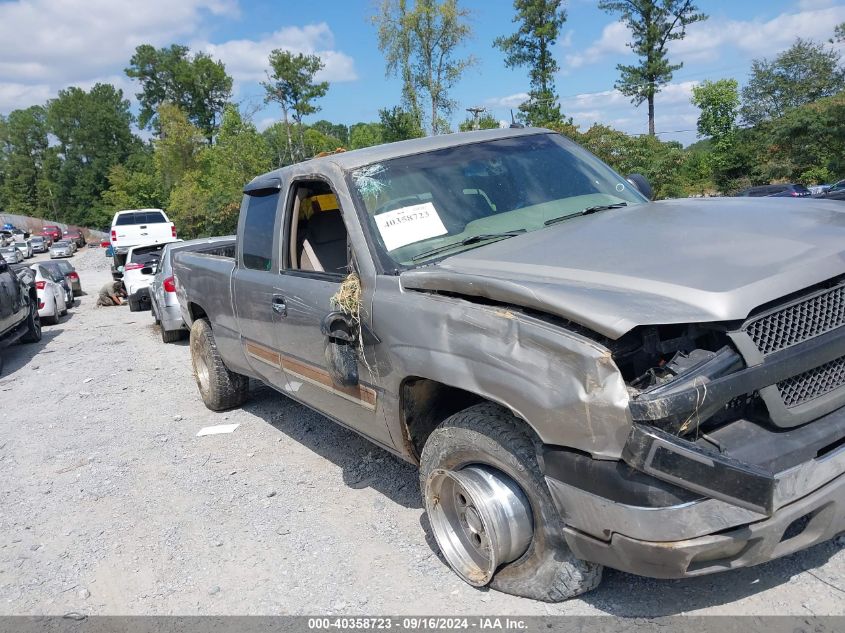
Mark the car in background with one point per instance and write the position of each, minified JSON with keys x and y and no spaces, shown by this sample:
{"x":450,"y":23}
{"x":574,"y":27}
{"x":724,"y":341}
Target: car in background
{"x":66,"y":269}
{"x":163,"y":302}
{"x":62,"y":248}
{"x":787,"y":190}
{"x":25,"y":247}
{"x":138,"y":271}
{"x":39,"y":244}
{"x":52,"y":231}
{"x":835,"y":192}
{"x":11,"y":254}
{"x":75,"y":236}
{"x":7,"y":238}
{"x":52,"y":298}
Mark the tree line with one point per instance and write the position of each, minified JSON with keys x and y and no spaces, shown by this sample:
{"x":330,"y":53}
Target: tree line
{"x":77,"y":159}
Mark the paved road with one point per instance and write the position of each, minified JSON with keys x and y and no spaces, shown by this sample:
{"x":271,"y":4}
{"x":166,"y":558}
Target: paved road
{"x":112,"y":505}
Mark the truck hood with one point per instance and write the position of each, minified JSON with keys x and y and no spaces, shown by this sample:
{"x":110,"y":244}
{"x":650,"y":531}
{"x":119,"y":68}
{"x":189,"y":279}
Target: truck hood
{"x":675,"y":261}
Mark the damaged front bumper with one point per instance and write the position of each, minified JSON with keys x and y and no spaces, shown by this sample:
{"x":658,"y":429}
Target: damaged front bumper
{"x":679,"y":508}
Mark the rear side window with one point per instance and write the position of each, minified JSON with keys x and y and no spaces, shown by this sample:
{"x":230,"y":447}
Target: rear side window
{"x":257,"y":240}
{"x":140,"y":217}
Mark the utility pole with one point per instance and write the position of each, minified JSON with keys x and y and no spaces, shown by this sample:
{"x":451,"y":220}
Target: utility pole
{"x":476,"y":112}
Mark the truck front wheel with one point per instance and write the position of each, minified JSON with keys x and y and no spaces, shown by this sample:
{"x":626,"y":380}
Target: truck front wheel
{"x":219,"y":387}
{"x":490,"y":509}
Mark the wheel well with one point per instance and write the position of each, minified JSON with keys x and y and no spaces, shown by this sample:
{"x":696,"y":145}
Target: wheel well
{"x":425,"y":404}
{"x":196,"y":312}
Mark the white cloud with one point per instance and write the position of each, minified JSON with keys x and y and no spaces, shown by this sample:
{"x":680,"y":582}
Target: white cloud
{"x":509,"y":101}
{"x":48,"y":45}
{"x":73,"y":40}
{"x":709,"y":40}
{"x":675,"y":115}
{"x":613,"y":41}
{"x":246,"y":60}
{"x":757,"y":38}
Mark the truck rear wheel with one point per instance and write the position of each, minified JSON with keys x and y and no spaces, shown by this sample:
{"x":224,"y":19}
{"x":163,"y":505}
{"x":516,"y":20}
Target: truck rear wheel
{"x":33,"y":324}
{"x":490,"y":509}
{"x":219,"y":387}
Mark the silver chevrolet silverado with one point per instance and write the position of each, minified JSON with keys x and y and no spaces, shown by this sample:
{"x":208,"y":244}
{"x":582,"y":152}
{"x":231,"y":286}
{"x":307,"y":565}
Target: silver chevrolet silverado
{"x":584,"y":377}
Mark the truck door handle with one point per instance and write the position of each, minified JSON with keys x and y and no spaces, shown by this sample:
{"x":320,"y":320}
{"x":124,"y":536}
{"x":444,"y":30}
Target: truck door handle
{"x":279,"y":305}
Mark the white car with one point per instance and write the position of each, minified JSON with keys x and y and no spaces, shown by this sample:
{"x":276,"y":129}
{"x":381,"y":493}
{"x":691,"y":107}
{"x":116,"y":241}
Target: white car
{"x":11,"y":254}
{"x":141,"y":266}
{"x":25,"y":247}
{"x":52,"y":299}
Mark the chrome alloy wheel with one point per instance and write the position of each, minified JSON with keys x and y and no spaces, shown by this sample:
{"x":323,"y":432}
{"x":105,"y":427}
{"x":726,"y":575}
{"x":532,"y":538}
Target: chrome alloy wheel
{"x":481,"y":519}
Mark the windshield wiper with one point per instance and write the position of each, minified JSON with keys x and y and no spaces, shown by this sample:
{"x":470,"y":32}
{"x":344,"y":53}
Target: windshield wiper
{"x":587,"y":211}
{"x":472,"y":239}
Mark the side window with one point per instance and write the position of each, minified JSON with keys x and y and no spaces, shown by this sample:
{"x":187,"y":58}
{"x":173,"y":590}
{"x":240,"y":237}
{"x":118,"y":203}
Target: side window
{"x":257,"y":234}
{"x":317,"y":239}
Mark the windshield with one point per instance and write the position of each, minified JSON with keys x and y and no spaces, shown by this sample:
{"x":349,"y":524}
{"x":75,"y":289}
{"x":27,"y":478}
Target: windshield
{"x":417,"y":205}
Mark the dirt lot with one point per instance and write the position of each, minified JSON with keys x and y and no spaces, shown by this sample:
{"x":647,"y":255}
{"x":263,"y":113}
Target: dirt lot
{"x":112,"y":505}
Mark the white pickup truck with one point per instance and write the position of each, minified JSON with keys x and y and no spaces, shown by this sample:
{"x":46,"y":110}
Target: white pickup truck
{"x":134,"y":227}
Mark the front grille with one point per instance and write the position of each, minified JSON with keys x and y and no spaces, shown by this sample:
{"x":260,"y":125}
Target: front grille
{"x":812,"y":384}
{"x":798,"y":322}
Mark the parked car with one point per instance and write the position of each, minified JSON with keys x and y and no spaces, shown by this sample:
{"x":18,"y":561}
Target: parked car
{"x":11,"y":254}
{"x":834,"y":192}
{"x":52,"y":297}
{"x":39,"y":244}
{"x":776,"y":191}
{"x":75,"y":236}
{"x":19,"y":320}
{"x":6,"y":238}
{"x":25,"y":247}
{"x":163,"y":302}
{"x":580,"y":384}
{"x":136,"y":227}
{"x":141,"y":265}
{"x":52,"y":231}
{"x":66,"y":269}
{"x":62,"y":248}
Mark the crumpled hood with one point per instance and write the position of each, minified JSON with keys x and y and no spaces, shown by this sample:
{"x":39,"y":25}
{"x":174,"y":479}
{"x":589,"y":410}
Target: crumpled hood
{"x":675,"y":261}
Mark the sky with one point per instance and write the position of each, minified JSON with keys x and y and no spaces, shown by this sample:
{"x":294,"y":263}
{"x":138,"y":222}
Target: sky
{"x":47,"y":45}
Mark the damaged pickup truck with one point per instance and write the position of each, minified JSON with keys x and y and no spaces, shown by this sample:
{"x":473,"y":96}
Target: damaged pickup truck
{"x":584,"y":377}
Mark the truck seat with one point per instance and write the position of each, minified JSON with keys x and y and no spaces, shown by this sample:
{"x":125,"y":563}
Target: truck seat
{"x":326,"y":238}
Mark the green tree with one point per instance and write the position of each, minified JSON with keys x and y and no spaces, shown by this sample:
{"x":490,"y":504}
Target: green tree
{"x":423,"y":43}
{"x":532,"y":45}
{"x":364,"y":135}
{"x":439,"y":29}
{"x":805,"y":72}
{"x":292,"y":85}
{"x":653,"y":24}
{"x":197,"y":84}
{"x":838,"y":33}
{"x":398,"y":124}
{"x":335,"y":130}
{"x":396,"y":42}
{"x":718,"y":102}
{"x":134,"y":184}
{"x":178,"y":147}
{"x":484,"y":122}
{"x":24,"y":149}
{"x":93,"y":133}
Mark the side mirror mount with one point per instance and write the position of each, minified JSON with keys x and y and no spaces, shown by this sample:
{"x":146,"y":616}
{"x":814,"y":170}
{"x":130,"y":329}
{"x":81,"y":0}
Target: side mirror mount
{"x":341,"y":342}
{"x":642,"y":185}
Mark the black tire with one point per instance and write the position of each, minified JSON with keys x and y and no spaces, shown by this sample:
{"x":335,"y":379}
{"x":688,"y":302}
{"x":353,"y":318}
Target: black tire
{"x":134,"y":304}
{"x":488,"y":434}
{"x":224,"y":389}
{"x":170,"y":336}
{"x":33,"y":325}
{"x":50,"y":320}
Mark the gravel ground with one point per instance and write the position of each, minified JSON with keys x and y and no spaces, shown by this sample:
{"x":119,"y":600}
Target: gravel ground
{"x":112,"y":505}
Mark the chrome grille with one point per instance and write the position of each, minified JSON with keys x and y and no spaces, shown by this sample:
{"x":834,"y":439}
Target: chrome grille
{"x":812,"y":384}
{"x":798,"y":322}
